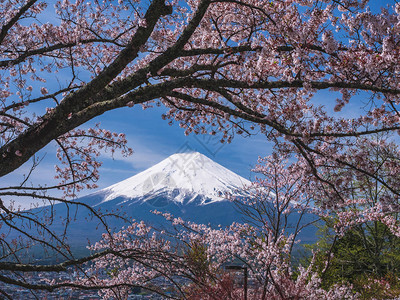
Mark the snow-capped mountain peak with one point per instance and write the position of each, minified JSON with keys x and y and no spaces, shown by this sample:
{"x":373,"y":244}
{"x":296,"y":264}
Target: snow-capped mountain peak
{"x":182,"y":178}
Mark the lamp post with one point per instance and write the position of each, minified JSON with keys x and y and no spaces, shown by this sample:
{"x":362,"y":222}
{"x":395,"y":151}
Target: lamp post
{"x":244,"y":268}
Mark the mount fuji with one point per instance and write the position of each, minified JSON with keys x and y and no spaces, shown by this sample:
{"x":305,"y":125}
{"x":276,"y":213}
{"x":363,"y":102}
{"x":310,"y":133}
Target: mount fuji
{"x":187,"y":185}
{"x":182,"y":178}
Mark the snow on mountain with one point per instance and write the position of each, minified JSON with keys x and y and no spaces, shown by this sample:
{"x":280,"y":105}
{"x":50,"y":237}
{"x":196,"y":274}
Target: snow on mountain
{"x":182,"y":178}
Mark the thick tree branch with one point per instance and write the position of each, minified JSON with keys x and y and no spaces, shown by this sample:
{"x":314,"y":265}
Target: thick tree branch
{"x":56,"y":123}
{"x":15,"y":19}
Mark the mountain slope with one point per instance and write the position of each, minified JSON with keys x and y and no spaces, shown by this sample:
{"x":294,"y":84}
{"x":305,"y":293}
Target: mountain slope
{"x":181,"y":178}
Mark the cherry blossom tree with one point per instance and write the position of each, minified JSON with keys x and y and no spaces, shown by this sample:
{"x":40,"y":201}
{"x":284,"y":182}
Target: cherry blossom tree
{"x":279,"y":198}
{"x":190,"y":261}
{"x":361,"y":234}
{"x":238,"y":67}
{"x":193,"y":261}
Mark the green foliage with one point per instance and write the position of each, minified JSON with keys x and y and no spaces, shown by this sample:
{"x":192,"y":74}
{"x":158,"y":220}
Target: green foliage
{"x":113,"y":272}
{"x":197,"y":259}
{"x":367,"y":256}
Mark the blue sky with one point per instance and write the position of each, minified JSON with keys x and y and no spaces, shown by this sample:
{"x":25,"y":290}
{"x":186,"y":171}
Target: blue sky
{"x":153,"y":140}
